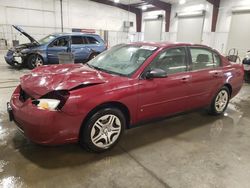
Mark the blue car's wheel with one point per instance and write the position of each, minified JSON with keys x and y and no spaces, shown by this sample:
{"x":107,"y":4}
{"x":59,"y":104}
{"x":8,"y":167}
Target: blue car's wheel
{"x":34,"y":61}
{"x":92,"y":56}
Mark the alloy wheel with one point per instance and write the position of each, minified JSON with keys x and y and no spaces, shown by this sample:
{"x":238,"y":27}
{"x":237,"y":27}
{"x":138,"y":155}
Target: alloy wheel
{"x":106,"y":131}
{"x":221,"y":100}
{"x":37,"y":61}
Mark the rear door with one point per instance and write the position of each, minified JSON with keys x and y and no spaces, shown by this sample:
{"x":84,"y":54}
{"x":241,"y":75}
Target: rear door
{"x":207,"y":76}
{"x":160,"y":97}
{"x":79,"y":49}
{"x":96,"y":44}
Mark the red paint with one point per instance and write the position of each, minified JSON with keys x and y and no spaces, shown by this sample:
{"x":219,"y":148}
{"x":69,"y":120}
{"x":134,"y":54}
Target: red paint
{"x":144,"y":99}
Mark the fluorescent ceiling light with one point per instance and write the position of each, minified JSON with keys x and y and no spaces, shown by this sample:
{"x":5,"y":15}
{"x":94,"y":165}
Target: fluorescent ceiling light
{"x":144,"y":7}
{"x":191,"y":14}
{"x":116,"y":1}
{"x":241,"y":9}
{"x":181,"y":2}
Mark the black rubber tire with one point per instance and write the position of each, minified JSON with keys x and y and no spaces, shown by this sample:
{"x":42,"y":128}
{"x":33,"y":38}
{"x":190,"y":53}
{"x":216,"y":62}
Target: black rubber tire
{"x":30,"y":60}
{"x":85,"y":134}
{"x":93,"y":55}
{"x":18,"y":66}
{"x":212,"y":109}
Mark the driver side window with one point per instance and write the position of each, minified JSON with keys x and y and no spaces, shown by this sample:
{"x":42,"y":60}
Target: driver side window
{"x":60,"y":42}
{"x":171,"y":60}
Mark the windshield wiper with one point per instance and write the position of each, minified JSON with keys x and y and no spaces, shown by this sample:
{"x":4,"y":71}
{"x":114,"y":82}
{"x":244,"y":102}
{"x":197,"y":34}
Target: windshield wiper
{"x":104,"y":70}
{"x":91,"y":66}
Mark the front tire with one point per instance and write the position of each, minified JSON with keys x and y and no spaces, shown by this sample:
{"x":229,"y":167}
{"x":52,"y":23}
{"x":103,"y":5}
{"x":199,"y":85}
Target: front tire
{"x":34,"y":60}
{"x":220,"y":102}
{"x":103,"y":130}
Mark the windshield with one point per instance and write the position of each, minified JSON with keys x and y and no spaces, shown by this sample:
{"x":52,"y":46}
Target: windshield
{"x":46,"y":39}
{"x":122,"y":59}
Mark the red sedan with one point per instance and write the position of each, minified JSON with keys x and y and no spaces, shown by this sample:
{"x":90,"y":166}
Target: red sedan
{"x":124,"y":86}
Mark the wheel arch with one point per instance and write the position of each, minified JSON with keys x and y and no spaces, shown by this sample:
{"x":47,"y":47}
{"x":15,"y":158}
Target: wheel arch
{"x":229,"y":88}
{"x":111,"y":104}
{"x":34,"y":53}
{"x":93,"y":53}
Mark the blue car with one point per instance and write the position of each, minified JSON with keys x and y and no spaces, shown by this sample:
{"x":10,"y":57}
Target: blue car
{"x":83,"y":47}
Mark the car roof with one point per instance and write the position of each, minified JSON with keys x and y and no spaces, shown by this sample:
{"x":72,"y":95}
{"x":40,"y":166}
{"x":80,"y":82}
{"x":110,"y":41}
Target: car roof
{"x":75,"y":34}
{"x":167,"y":44}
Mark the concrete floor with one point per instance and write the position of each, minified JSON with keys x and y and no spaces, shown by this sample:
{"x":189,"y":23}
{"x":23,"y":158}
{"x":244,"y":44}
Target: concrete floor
{"x":192,"y":150}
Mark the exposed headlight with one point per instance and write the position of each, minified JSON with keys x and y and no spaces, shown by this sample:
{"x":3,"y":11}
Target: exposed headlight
{"x":47,"y":104}
{"x":16,"y":54}
{"x":53,"y":100}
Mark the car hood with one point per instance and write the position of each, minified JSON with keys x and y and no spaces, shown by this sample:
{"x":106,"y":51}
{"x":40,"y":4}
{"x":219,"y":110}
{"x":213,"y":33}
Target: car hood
{"x":25,"y":34}
{"x":60,"y":77}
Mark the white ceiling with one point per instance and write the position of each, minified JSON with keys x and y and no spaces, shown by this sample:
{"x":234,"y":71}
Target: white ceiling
{"x":127,"y":2}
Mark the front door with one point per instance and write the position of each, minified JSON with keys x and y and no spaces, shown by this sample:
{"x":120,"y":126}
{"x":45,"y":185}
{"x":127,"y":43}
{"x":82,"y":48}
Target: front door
{"x":160,"y":97}
{"x":59,"y":45}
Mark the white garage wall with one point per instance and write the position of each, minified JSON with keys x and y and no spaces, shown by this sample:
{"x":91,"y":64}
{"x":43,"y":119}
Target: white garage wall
{"x":41,"y":17}
{"x":192,"y":6}
{"x":218,"y":39}
{"x":224,"y":22}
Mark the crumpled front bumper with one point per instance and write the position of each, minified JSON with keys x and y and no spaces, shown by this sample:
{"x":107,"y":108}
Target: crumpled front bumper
{"x":43,"y":126}
{"x":13,"y":60}
{"x":9,"y":60}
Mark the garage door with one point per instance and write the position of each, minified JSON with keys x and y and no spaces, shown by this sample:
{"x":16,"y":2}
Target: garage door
{"x":190,"y":29}
{"x":239,"y":34}
{"x":153,"y":30}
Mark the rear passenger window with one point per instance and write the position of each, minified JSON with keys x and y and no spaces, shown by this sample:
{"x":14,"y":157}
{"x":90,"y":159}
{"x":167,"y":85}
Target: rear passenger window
{"x":92,"y":40}
{"x":201,"y":58}
{"x":77,"y":40}
{"x":217,"y":61}
{"x":172,"y":61}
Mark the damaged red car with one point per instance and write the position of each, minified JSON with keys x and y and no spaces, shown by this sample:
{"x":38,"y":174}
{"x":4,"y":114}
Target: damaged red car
{"x":129,"y":84}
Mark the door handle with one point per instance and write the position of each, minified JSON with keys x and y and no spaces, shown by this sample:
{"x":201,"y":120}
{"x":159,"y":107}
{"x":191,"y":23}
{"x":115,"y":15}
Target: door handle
{"x":216,"y":74}
{"x":184,"y":79}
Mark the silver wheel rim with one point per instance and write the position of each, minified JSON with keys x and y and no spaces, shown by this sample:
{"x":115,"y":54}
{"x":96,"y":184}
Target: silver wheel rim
{"x":106,"y":131}
{"x":221,"y":101}
{"x":37,"y":61}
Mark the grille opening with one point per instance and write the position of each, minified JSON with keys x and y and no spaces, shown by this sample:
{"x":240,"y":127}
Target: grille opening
{"x":23,"y":95}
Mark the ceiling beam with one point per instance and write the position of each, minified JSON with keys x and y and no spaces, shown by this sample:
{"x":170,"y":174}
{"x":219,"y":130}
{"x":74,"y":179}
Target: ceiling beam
{"x":129,"y":8}
{"x":138,"y":4}
{"x":119,"y":5}
{"x":159,"y":4}
{"x":214,"y":2}
{"x":162,"y":6}
{"x":216,"y":6}
{"x":151,"y":9}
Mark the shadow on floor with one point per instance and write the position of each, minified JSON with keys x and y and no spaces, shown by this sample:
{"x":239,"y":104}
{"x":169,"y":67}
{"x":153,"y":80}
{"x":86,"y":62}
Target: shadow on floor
{"x":73,"y":155}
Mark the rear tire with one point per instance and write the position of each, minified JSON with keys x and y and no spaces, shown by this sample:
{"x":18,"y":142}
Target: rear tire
{"x":220,"y":102}
{"x":34,"y":60}
{"x":103,"y":130}
{"x":92,"y":56}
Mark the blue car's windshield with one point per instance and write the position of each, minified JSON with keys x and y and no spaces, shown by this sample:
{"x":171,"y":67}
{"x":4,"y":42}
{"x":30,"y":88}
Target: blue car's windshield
{"x":46,"y":39}
{"x":122,"y":59}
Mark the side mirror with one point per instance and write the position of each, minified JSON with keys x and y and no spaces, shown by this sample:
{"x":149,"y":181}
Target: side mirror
{"x":155,"y":73}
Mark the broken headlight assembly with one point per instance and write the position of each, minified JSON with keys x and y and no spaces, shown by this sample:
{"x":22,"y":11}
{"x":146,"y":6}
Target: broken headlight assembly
{"x":52,"y":101}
